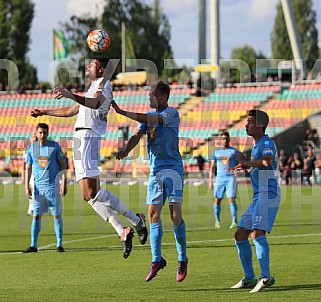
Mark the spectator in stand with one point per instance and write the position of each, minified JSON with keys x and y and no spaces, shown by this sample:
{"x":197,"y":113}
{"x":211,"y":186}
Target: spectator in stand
{"x":296,"y":167}
{"x":309,"y":167}
{"x":205,"y":85}
{"x":282,"y":160}
{"x":307,"y":136}
{"x":315,"y":138}
{"x":287,"y":171}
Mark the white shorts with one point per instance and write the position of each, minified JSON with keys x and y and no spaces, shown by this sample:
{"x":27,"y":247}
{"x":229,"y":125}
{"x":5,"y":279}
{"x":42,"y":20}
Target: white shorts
{"x":86,"y":153}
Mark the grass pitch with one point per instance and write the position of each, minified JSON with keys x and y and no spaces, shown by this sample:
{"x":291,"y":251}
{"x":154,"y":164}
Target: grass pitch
{"x":92,"y":269}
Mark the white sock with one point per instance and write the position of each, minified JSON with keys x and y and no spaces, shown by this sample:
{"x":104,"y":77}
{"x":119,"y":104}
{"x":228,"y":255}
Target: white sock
{"x":112,"y":201}
{"x":103,"y":211}
{"x":108,"y":215}
{"x":116,"y":224}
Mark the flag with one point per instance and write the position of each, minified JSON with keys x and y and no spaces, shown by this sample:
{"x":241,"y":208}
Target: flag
{"x":61,"y":45}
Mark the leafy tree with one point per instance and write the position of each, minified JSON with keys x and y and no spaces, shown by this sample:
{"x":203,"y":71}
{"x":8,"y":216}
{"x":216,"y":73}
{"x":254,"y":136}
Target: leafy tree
{"x":147,"y":27}
{"x":242,"y":64}
{"x":16,"y":17}
{"x":308,"y":34}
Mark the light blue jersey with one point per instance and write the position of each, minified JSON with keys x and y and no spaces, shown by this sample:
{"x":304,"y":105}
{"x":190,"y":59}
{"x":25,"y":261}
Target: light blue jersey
{"x":225,"y":159}
{"x":225,"y":180}
{"x":163,"y":140}
{"x":265,"y":179}
{"x":45,"y":164}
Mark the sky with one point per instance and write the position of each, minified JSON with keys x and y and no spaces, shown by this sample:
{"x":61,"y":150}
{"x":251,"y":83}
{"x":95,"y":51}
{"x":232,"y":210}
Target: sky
{"x":242,"y":22}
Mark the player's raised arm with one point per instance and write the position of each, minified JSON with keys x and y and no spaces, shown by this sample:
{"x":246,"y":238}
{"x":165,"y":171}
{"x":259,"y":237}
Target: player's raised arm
{"x":92,"y":102}
{"x":131,"y":144}
{"x":59,"y":112}
{"x":139,"y":117}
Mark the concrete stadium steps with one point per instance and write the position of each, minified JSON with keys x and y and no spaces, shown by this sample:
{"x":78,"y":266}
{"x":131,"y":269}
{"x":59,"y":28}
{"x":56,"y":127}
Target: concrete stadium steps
{"x":200,"y":124}
{"x":189,"y":104}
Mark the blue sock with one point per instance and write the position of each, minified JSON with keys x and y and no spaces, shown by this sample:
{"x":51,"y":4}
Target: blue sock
{"x":245,"y":254}
{"x":58,"y":230}
{"x":217,"y":211}
{"x":156,"y":234}
{"x":180,"y":237}
{"x":263,"y":255}
{"x":35,"y":230}
{"x":233,"y":210}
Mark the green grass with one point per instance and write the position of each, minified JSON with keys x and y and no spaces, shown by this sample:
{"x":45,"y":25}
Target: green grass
{"x":93,"y":269}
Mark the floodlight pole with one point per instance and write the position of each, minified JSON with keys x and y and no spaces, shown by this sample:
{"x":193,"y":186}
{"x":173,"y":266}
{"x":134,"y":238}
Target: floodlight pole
{"x":123,"y":47}
{"x":293,"y":36}
{"x":215,"y":35}
{"x":201,"y":31}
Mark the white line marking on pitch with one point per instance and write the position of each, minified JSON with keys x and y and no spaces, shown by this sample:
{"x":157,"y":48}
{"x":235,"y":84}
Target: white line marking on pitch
{"x":164,"y":244}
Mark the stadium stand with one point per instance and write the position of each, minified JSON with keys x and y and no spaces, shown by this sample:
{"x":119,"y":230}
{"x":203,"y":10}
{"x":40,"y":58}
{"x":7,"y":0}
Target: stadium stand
{"x":201,"y":119}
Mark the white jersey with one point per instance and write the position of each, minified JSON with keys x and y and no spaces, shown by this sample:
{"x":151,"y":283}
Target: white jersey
{"x":95,"y":119}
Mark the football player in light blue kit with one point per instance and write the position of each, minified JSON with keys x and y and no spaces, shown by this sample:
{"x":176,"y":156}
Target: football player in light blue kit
{"x":259,"y":217}
{"x":166,"y":177}
{"x":46,"y":162}
{"x":224,"y":158}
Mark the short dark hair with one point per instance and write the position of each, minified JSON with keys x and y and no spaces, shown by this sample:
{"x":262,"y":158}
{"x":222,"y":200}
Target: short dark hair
{"x":224,"y":133}
{"x":103,"y":61}
{"x":261,"y":117}
{"x":163,"y":87}
{"x":42,"y":126}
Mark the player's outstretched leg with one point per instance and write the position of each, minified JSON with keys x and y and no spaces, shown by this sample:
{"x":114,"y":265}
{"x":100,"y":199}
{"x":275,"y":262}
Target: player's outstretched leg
{"x":127,"y":241}
{"x":125,"y":234}
{"x":141,"y":228}
{"x":180,"y":238}
{"x":158,"y":262}
{"x":154,"y":268}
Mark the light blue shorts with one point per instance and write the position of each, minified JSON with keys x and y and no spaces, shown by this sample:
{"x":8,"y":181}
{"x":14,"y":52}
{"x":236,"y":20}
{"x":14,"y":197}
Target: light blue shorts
{"x":44,"y":199}
{"x":165,"y":184}
{"x":226,"y":184}
{"x":261,"y":213}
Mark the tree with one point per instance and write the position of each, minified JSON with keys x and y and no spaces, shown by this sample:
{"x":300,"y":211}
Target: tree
{"x":242,"y":64}
{"x":16,"y":17}
{"x":147,"y":27}
{"x":305,"y":18}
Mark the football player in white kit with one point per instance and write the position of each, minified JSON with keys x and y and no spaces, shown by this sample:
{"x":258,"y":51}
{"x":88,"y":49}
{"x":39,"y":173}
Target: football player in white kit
{"x":91,"y":123}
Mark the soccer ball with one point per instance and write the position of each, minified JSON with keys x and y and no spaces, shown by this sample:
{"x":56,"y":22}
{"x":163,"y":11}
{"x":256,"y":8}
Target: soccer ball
{"x":98,"y":40}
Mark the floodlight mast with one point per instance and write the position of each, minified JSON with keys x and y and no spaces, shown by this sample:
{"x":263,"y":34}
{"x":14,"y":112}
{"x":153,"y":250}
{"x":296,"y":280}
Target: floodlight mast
{"x":295,"y":42}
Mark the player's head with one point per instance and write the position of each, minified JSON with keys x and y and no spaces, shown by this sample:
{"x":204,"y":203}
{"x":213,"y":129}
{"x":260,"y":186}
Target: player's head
{"x":96,"y":68}
{"x":103,"y":61}
{"x":159,"y":95}
{"x":225,"y":136}
{"x":42,"y":131}
{"x":257,"y":121}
